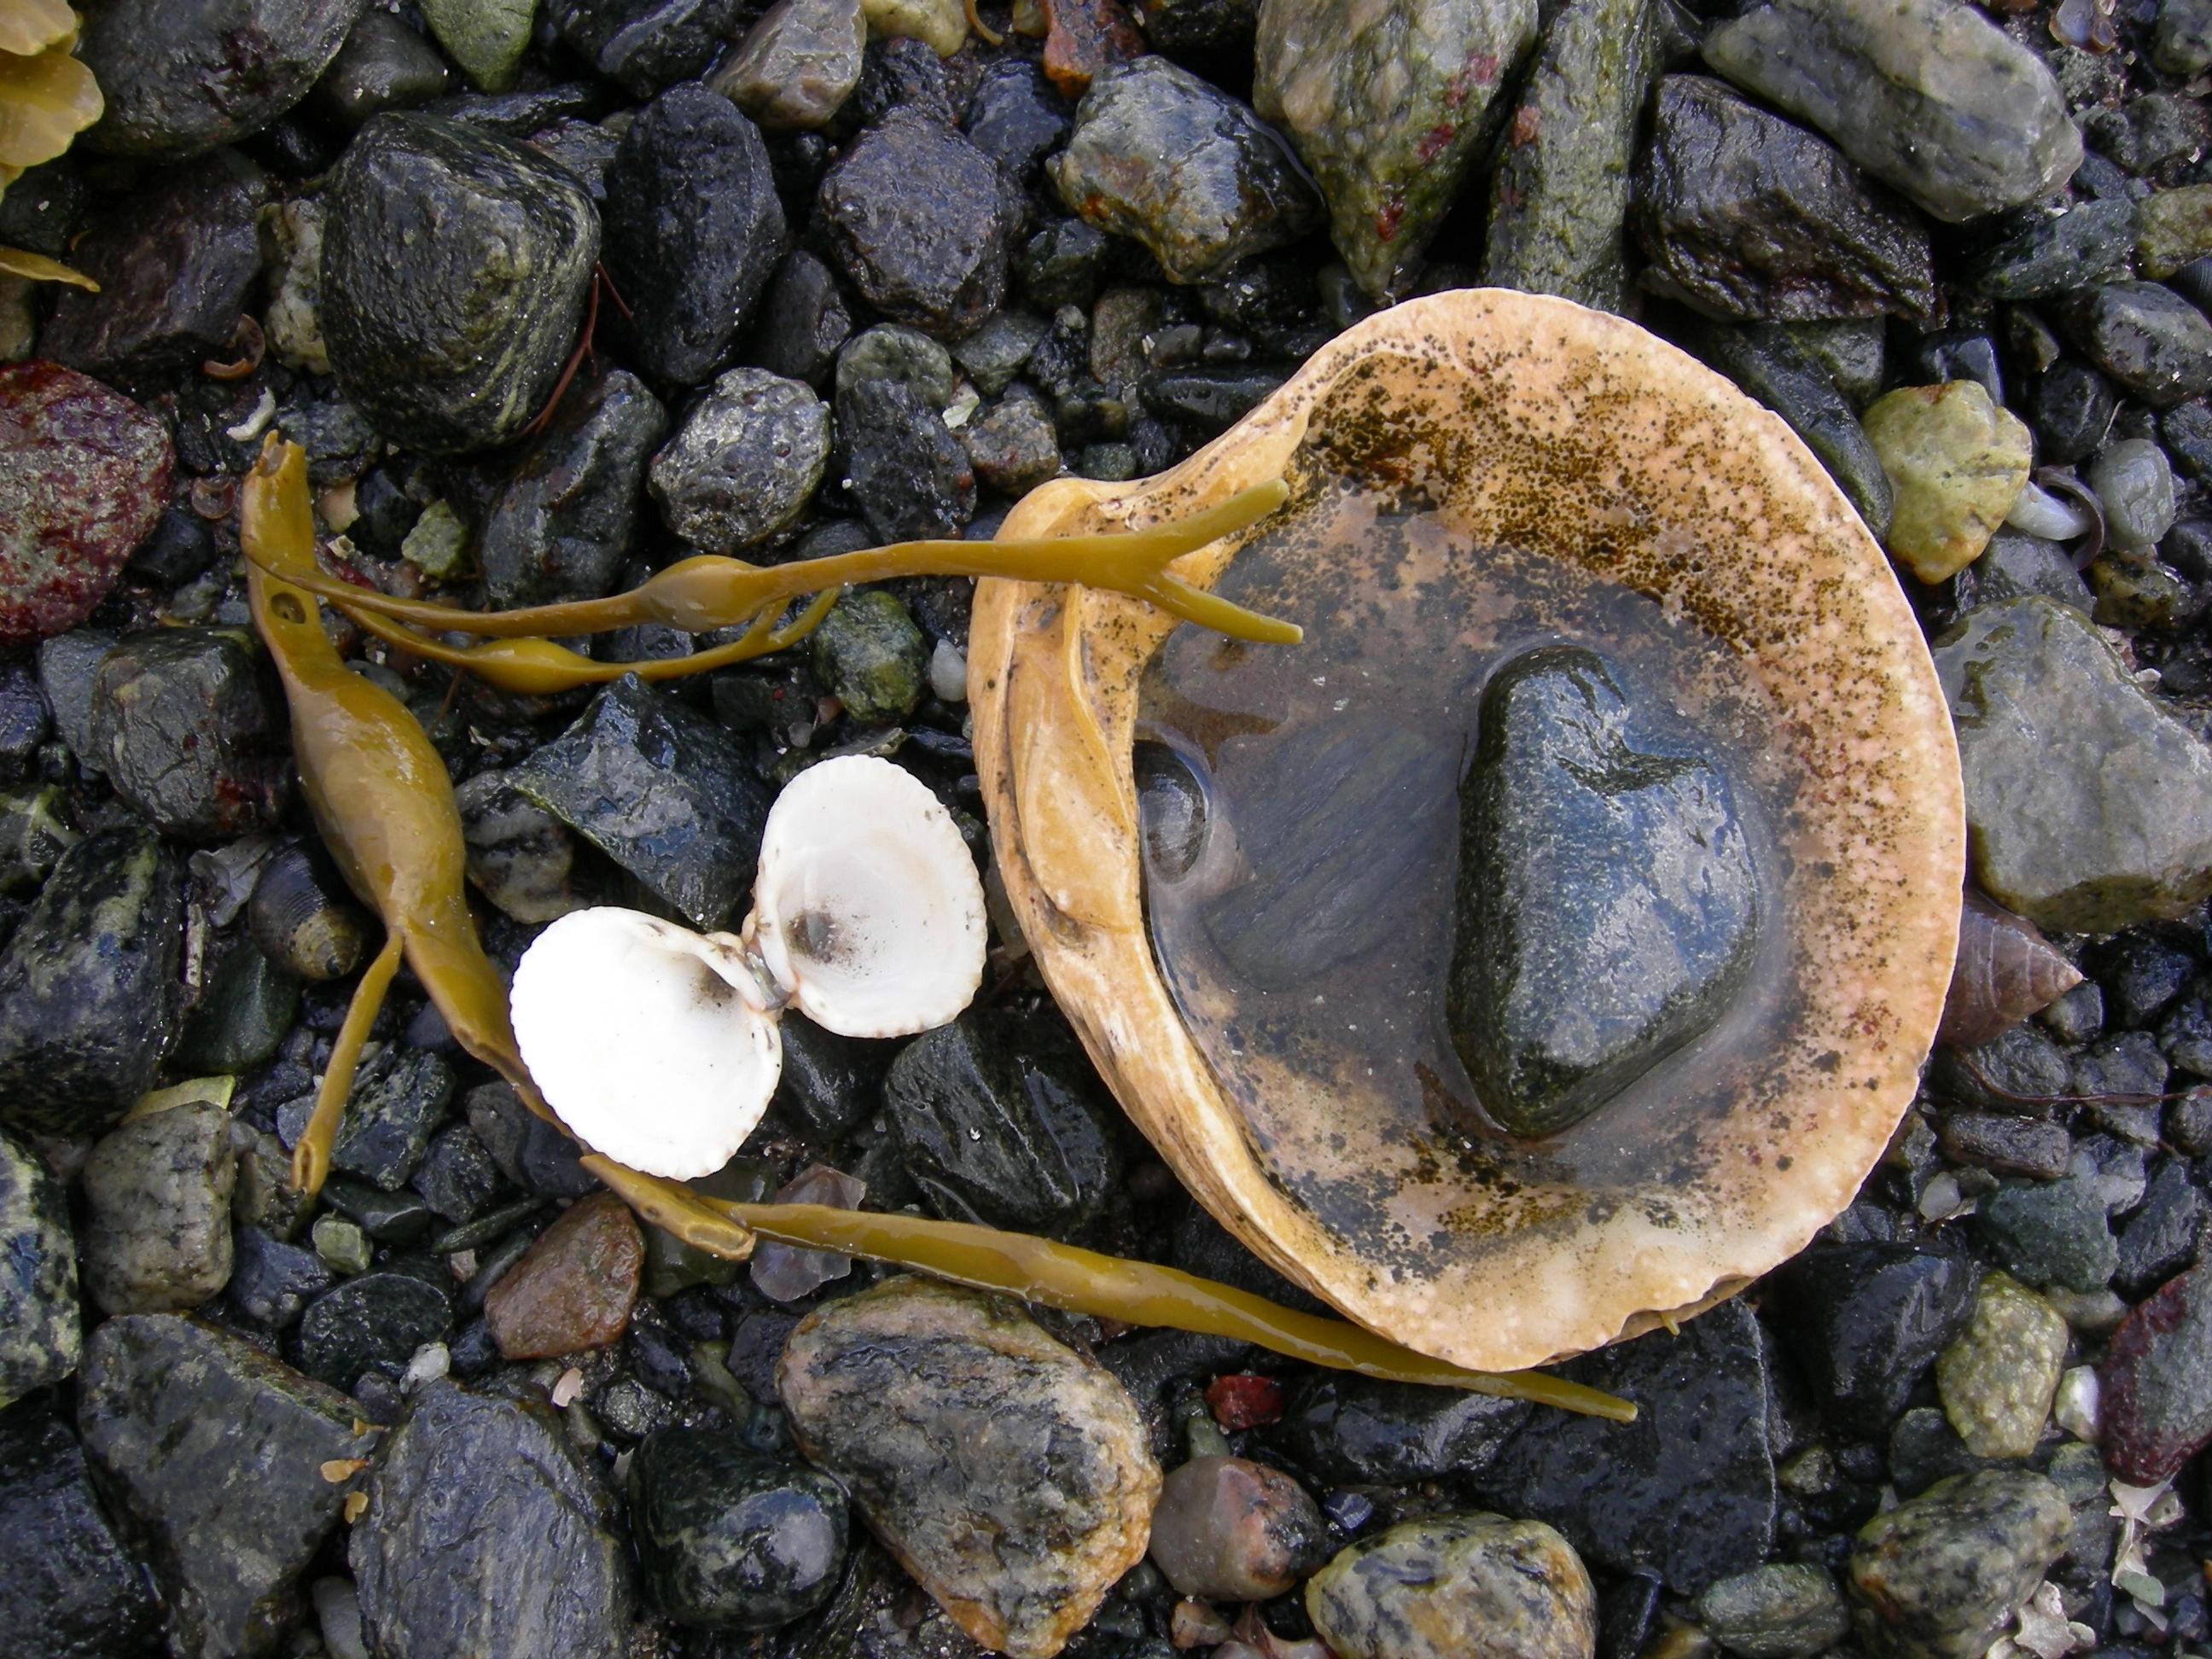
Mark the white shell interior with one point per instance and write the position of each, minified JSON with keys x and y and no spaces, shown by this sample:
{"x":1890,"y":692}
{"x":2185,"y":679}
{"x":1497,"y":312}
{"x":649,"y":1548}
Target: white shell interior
{"x":652,"y":1043}
{"x":867,"y":908}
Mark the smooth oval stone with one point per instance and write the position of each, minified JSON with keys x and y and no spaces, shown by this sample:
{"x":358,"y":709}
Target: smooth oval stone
{"x":1420,"y":1589}
{"x":729,"y":1539}
{"x":1608,"y":905}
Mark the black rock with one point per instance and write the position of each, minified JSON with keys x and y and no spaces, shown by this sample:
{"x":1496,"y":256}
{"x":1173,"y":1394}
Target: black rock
{"x":694,"y":229}
{"x":2051,"y":1232}
{"x":1767,"y":363}
{"x":531,"y":110}
{"x":802,"y":322}
{"x":455,"y":265}
{"x":911,"y":477}
{"x":1346,"y":1427}
{"x":2125,"y":1070}
{"x":565,"y":522}
{"x":71,"y":1591}
{"x":379,"y":1316}
{"x":2160,"y":1238}
{"x":2058,"y":256}
{"x":244,"y":1013}
{"x":88,"y":986}
{"x":2185,"y":1033}
{"x":1866,"y":1320}
{"x":828,"y":1085}
{"x":400,"y":1219}
{"x":271,"y":1281}
{"x":662,"y":791}
{"x":2019,"y":1065}
{"x":1923,"y":1449}
{"x":1688,"y":1488}
{"x":919,"y":221}
{"x":24,"y":723}
{"x":729,"y":1539}
{"x":2186,"y":431}
{"x":384,"y":64}
{"x":187,"y":726}
{"x":181,"y":76}
{"x":174,"y":267}
{"x":1005,"y":1122}
{"x":2015,"y":564}
{"x":647,"y":45}
{"x":2141,"y":975}
{"x":1063,"y":265}
{"x":216,"y":1453}
{"x":1743,"y":215}
{"x":1572,"y":817}
{"x":2071,"y":407}
{"x":900,"y":74}
{"x":2010,"y":1145}
{"x":2152,"y":341}
{"x":457,"y":1177}
{"x":395,"y":1107}
{"x":179,"y":549}
{"x":44,"y":206}
{"x":530,"y":1152}
{"x":1016,"y":118}
{"x":745,"y":463}
{"x":482,"y":1531}
{"x":39,"y":1334}
{"x":1209,"y":400}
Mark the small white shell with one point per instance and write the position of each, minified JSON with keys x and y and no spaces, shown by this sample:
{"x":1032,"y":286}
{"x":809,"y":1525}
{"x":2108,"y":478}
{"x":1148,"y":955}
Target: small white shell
{"x":867,"y":909}
{"x":652,"y":1043}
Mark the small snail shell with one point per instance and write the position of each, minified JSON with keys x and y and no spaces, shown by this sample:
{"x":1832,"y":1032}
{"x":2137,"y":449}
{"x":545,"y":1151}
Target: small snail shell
{"x":304,"y":920}
{"x":2006,"y":970}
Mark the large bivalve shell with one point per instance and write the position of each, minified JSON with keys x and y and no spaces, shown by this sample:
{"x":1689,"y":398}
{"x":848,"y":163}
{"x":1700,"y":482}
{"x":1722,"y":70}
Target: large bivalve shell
{"x":1473,"y":475}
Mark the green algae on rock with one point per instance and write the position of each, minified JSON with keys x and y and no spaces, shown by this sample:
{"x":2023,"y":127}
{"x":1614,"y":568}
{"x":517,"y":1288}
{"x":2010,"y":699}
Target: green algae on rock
{"x":1956,"y":462}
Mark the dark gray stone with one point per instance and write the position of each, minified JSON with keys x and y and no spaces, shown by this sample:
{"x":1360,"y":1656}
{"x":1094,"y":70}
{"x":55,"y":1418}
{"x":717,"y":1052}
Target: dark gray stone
{"x":384,"y":64}
{"x":88,"y":986}
{"x":1410,"y":1592}
{"x":565,"y":522}
{"x":2160,"y":1239}
{"x":1209,"y":400}
{"x":745,"y":463}
{"x":2051,"y":1233}
{"x":1160,"y":156}
{"x":71,"y":1591}
{"x":243,"y":1015}
{"x":215,"y":1452}
{"x":1004,"y":1121}
{"x":1574,"y":821}
{"x":482,"y":1535}
{"x":802,"y":322}
{"x":997,"y":352}
{"x":829,"y":1083}
{"x":890,"y":352}
{"x":1768,"y":363}
{"x":2135,"y":486}
{"x":1939,"y":1576}
{"x":662,"y":791}
{"x":377,"y":1317}
{"x":1017,"y":118}
{"x":1784,"y":1611}
{"x":911,"y":477}
{"x":1865,"y":1322}
{"x":900,"y":74}
{"x":2071,"y":407}
{"x":1743,"y":215}
{"x":871,"y":658}
{"x":2015,"y":565}
{"x":2022,"y":1064}
{"x":457,"y":1177}
{"x":181,"y":76}
{"x":1062,"y":265}
{"x":2149,"y":338}
{"x":694,"y":230}
{"x":919,"y":221}
{"x":2182,"y":43}
{"x":2185,"y":1034}
{"x":2058,"y":256}
{"x":1688,"y":1490}
{"x":174,"y":270}
{"x":455,"y":264}
{"x":2010,"y":1145}
{"x":401,"y":1217}
{"x":1014,"y":446}
{"x":2146,"y":132}
{"x":647,"y":45}
{"x":271,"y":1281}
{"x":157,"y":1190}
{"x":397,"y":1101}
{"x":1345,"y":1427}
{"x":730,"y":1539}
{"x":40,"y":1335}
{"x":186,"y":724}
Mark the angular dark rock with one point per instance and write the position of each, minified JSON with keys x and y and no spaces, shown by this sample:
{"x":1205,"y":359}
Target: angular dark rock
{"x":1865,"y":1322}
{"x":2058,"y":256}
{"x":1349,"y":1428}
{"x":2049,"y":1233}
{"x":647,"y":45}
{"x":694,"y":229}
{"x":243,"y":1015}
{"x":920,"y":220}
{"x":2071,"y":407}
{"x":271,"y":1281}
{"x":186,"y":724}
{"x":566,"y":520}
{"x":911,"y":477}
{"x":2010,"y":1145}
{"x":1767,"y":363}
{"x":2149,"y":338}
{"x":384,"y":64}
{"x":71,"y":1590}
{"x":2160,"y":1238}
{"x":802,"y":322}
{"x":1017,"y":118}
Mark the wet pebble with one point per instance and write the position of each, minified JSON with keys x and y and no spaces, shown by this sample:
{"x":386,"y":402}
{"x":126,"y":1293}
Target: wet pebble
{"x":2058,"y":256}
{"x":871,"y":656}
{"x":158,"y":1191}
{"x":71,"y":1591}
{"x":2161,"y":1236}
{"x":1229,"y":1529}
{"x":384,"y":64}
{"x":394,"y":1108}
{"x":85,"y":475}
{"x":2049,"y":1233}
{"x":243,"y":1016}
{"x":744,"y":464}
{"x":797,"y":64}
{"x":216,"y":1453}
{"x":1997,"y":1378}
{"x":890,"y":351}
{"x":1418,"y":1589}
{"x":2149,"y":338}
{"x":911,"y":477}
{"x":645,"y":45}
{"x":2156,"y":1409}
{"x":919,"y":221}
{"x":802,"y":321}
{"x":2010,"y":1145}
{"x":1866,"y":1320}
{"x":1350,"y":1428}
{"x":486,"y":37}
{"x":574,"y":1288}
{"x":376,"y":1318}
{"x":187,"y":726}
{"x":39,"y":1332}
{"x":1017,"y":118}
{"x":271,"y":1281}
{"x":729,"y":1538}
{"x":1009,"y":1476}
{"x":1940,"y":1575}
{"x":1788,"y":1610}
{"x":1956,"y":463}
{"x":2135,"y":486}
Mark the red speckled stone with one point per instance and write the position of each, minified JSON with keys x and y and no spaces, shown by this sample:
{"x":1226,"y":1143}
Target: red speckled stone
{"x":574,"y":1288}
{"x":1244,"y":1401}
{"x":84,"y":473}
{"x":2157,"y":1380}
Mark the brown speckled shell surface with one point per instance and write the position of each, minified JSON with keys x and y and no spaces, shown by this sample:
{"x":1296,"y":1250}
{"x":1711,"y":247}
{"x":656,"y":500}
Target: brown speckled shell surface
{"x":1573,"y":435}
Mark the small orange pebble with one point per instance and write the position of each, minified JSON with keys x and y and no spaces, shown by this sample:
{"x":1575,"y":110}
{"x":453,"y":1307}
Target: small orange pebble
{"x":1244,"y":1401}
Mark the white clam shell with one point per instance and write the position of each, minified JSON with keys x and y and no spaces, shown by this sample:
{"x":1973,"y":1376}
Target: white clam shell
{"x":652,"y":1043}
{"x":867,"y":909}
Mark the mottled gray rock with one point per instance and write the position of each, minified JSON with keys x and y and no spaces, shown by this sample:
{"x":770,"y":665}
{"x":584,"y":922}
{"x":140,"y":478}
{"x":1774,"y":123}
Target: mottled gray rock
{"x":1567,"y":797}
{"x":186,"y":724}
{"x":1939,"y":1576}
{"x":645,"y":45}
{"x":1349,"y":1428}
{"x":519,"y":855}
{"x":1559,"y":198}
{"x":2149,"y":338}
{"x":2015,"y":565}
{"x":1744,"y":214}
{"x":1419,"y":1591}
{"x":566,"y":520}
{"x":216,"y":1453}
{"x":71,"y":1590}
{"x":181,"y":76}
{"x":1388,"y":111}
{"x":797,"y":64}
{"x":694,"y":230}
{"x":871,"y":656}
{"x":1769,"y":364}
{"x":745,"y":462}
{"x":921,"y":221}
{"x":911,"y":476}
{"x":40,"y":1333}
{"x":483,"y":1536}
{"x":88,"y":986}
{"x":271,"y":1281}
{"x":2051,"y":1232}
{"x":1014,"y":446}
{"x":1785,"y":1611}
{"x":802,"y":321}
{"x":455,"y":264}
{"x":2058,"y":256}
{"x":729,"y":1538}
{"x":1229,"y":1529}
{"x":158,"y":1193}
{"x":1160,"y":156}
{"x":1009,"y":1474}
{"x":1927,"y":95}
{"x":996,"y":352}
{"x":659,"y":789}
{"x":2182,"y":43}
{"x":2090,"y":806}
{"x":2135,"y":486}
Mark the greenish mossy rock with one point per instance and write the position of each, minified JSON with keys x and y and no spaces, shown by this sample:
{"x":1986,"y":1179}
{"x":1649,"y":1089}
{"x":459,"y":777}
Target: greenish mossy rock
{"x":1956,"y":462}
{"x":1786,"y":1610}
{"x":871,"y":657}
{"x":40,"y":1330}
{"x":1939,"y":1576}
{"x":1997,"y":1379}
{"x":486,"y":37}
{"x":1423,"y":1589}
{"x":34,"y":833}
{"x":1608,"y":905}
